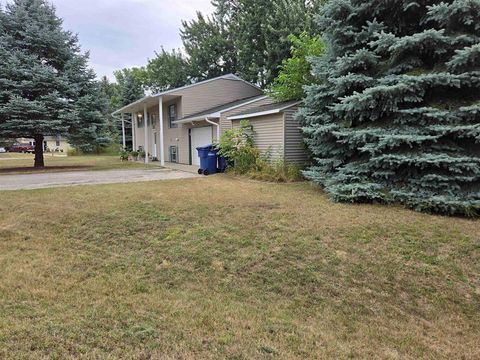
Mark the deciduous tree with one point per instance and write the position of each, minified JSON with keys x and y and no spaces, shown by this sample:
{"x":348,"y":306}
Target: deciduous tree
{"x":168,"y":70}
{"x":296,"y":71}
{"x":246,"y":37}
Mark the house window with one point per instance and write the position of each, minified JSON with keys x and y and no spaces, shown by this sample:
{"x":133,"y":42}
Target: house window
{"x":174,"y":154}
{"x":57,"y":140}
{"x":172,"y":115}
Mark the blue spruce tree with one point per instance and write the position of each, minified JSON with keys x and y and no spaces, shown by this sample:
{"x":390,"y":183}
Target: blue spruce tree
{"x":46,"y":86}
{"x":396,"y":118}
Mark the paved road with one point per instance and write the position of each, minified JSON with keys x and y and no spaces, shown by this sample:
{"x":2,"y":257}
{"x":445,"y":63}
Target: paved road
{"x":74,"y":178}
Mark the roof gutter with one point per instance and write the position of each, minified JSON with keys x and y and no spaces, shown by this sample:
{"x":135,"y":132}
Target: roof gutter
{"x":120,"y":119}
{"x":119,"y":111}
{"x":263,"y":113}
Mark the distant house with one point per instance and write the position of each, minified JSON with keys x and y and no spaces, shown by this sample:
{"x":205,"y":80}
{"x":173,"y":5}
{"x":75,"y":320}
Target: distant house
{"x":50,"y":143}
{"x":172,"y":124}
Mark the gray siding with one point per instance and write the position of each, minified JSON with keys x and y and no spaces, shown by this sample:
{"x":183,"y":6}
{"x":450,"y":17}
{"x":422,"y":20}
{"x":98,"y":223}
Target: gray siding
{"x":268,"y":134}
{"x":214,"y":93}
{"x":226,"y":124}
{"x":295,"y":151}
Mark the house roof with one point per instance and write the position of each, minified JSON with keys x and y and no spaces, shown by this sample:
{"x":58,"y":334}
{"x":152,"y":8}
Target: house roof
{"x":266,"y":110}
{"x":172,"y":91}
{"x":215,"y":112}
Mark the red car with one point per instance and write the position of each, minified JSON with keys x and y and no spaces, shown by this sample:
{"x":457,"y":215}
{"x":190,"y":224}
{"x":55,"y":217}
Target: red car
{"x":22,"y":148}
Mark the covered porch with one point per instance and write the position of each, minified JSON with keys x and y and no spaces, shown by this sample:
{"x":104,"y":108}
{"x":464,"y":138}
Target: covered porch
{"x":159,"y":129}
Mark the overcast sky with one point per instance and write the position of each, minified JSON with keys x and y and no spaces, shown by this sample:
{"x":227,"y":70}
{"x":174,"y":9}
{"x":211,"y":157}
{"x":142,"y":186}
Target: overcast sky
{"x":125,"y":33}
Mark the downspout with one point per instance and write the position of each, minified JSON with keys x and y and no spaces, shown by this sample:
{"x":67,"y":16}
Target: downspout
{"x":217,"y":125}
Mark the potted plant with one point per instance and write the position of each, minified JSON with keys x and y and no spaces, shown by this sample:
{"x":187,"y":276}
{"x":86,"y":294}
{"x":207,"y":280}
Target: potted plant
{"x":134,"y":155}
{"x":124,"y":155}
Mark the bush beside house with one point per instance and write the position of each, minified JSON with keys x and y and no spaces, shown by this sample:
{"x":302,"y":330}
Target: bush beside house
{"x":237,"y":145}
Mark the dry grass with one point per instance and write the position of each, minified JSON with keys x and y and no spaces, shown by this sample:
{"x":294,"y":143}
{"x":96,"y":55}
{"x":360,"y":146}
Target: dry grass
{"x":14,"y":163}
{"x":226,"y":268}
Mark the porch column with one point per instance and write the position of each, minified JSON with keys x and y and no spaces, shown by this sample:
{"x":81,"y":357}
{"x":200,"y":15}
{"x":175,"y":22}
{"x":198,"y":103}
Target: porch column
{"x":134,"y":131}
{"x":145,"y":127}
{"x":124,"y":141}
{"x":160,"y":116}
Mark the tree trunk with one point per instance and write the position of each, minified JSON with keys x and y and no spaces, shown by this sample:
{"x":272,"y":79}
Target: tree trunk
{"x":39,"y":163}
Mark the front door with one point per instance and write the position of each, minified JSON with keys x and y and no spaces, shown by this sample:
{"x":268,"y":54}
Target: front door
{"x":200,"y":137}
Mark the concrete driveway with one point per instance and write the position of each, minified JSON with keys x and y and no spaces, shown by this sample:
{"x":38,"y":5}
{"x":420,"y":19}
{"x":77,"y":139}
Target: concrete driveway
{"x":74,"y":178}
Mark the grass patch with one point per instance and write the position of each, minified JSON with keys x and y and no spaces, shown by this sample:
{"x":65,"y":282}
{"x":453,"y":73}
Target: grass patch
{"x":223,"y":267}
{"x":276,"y":172}
{"x":13,"y":163}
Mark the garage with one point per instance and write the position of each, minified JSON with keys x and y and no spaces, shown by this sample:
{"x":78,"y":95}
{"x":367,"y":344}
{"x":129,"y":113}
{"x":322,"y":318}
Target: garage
{"x":200,"y":137}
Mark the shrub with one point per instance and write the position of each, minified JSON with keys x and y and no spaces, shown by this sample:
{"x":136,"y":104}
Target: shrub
{"x":124,"y":155}
{"x":278,"y":171}
{"x":113,"y":149}
{"x":74,"y":152}
{"x":238,"y":147}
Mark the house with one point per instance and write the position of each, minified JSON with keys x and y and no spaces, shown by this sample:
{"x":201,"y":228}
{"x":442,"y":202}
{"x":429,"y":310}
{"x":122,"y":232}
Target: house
{"x":172,"y":124}
{"x":50,"y":143}
{"x":56,"y":144}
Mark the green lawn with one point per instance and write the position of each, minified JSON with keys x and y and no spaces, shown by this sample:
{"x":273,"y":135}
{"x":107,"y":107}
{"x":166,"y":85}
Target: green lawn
{"x":13,"y":163}
{"x":214,"y":268}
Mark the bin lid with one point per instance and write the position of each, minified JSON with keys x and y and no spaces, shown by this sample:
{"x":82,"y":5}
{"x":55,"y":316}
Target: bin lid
{"x":206,"y":147}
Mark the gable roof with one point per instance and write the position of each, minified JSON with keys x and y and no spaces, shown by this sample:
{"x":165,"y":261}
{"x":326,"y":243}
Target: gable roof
{"x":224,"y":77}
{"x":266,"y":110}
{"x":179,"y":89}
{"x":215,"y":112}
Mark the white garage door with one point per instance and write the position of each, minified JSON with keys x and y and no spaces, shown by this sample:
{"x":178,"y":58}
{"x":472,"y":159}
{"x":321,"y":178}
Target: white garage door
{"x":200,"y":137}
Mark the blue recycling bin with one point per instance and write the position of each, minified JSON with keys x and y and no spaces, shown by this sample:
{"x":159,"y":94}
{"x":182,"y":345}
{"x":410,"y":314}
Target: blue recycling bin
{"x":203,"y":152}
{"x":211,"y":163}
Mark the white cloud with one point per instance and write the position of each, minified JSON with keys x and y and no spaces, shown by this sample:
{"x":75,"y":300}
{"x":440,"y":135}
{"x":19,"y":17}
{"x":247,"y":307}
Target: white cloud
{"x":125,"y":33}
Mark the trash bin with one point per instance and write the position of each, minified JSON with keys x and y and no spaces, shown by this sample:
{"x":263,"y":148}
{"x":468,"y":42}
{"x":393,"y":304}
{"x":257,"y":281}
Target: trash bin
{"x":211,"y":163}
{"x":203,"y":155}
{"x":222,"y":164}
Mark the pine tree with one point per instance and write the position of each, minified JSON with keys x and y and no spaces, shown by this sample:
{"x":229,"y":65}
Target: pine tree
{"x":111,"y":92}
{"x":251,"y":40}
{"x":208,"y":44}
{"x":44,"y":78}
{"x":89,"y":124}
{"x":396,"y":117}
{"x":130,"y":82}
